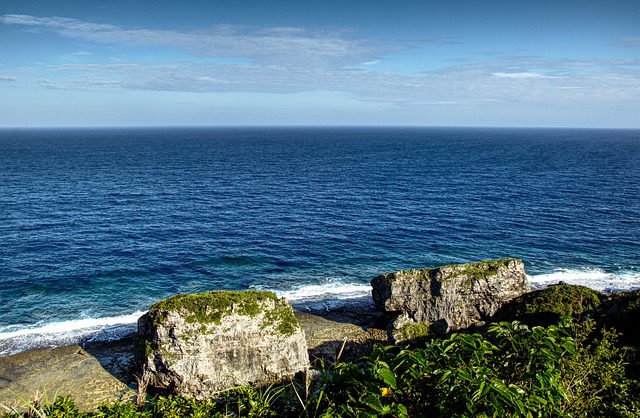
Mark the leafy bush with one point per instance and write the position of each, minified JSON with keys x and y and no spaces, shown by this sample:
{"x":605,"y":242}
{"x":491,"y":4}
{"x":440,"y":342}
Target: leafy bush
{"x":513,"y":371}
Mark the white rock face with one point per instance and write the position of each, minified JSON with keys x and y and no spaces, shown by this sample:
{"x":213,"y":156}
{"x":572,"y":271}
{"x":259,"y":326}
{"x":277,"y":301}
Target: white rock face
{"x":196,"y":345}
{"x":452,"y":297}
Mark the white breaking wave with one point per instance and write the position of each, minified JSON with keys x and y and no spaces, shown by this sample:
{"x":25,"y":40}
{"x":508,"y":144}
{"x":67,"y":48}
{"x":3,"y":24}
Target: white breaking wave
{"x":333,"y":293}
{"x":330,"y":294}
{"x":329,"y":290}
{"x":55,"y":334}
{"x":87,"y":325}
{"x":593,"y":278}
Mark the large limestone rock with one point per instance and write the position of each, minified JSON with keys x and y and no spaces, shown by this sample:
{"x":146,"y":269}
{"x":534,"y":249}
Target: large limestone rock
{"x":195,"y":345}
{"x":448,"y":298}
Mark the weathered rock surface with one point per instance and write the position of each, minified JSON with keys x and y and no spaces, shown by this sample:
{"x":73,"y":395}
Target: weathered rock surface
{"x":42,"y":374}
{"x":196,"y":345}
{"x":100,"y":371}
{"x":336,"y":335}
{"x":451,"y":298}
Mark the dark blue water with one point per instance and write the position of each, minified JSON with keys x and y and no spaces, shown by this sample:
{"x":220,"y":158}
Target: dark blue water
{"x":96,"y":225}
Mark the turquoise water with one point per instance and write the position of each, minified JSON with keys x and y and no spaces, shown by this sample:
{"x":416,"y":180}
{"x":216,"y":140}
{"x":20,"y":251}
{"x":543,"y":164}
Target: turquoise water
{"x":99,"y":224}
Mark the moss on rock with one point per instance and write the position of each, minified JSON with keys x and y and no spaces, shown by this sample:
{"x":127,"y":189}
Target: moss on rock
{"x":211,"y":307}
{"x":479,"y":270}
{"x":546,"y":306}
{"x":420,"y":332}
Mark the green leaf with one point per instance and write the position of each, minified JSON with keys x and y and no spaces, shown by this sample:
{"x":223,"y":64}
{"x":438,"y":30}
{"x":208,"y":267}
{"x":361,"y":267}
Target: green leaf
{"x":387,"y":377}
{"x":373,"y":402}
{"x":401,"y":411}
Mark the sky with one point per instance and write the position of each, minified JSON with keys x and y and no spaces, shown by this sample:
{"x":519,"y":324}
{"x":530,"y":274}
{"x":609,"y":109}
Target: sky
{"x":559,"y":63}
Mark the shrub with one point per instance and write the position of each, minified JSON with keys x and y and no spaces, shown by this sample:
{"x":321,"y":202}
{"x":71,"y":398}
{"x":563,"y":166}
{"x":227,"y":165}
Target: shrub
{"x":546,"y":306}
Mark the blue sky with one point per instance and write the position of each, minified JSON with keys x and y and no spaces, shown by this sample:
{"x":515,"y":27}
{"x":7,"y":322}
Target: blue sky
{"x":433,"y":63}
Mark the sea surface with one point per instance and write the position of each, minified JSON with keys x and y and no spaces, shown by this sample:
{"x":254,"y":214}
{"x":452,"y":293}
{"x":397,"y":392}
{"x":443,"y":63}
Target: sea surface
{"x":98,"y":224}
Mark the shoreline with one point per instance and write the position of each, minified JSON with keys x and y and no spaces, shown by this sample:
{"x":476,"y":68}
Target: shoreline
{"x":103,"y":371}
{"x":81,"y":331}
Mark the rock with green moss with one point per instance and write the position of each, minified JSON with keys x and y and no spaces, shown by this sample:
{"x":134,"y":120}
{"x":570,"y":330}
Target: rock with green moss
{"x":454,"y":297}
{"x":195,"y":345}
{"x":546,"y":306}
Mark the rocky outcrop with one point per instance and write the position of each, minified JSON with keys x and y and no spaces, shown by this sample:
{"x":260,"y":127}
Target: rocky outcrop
{"x":39,"y":375}
{"x":195,"y":345}
{"x":448,"y":298}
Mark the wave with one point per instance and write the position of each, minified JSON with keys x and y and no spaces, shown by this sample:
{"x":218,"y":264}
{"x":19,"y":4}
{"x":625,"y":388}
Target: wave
{"x":331,"y":294}
{"x":14,"y":339}
{"x":55,"y":334}
{"x":330,"y":289}
{"x":594,"y":278}
{"x":328,"y":295}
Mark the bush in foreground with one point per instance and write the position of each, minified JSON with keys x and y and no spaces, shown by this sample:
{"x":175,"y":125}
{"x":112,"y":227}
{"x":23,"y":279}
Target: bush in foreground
{"x":562,"y":370}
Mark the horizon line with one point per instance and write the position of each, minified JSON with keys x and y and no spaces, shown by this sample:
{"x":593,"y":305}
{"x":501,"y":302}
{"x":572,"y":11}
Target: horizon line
{"x":310,"y":126}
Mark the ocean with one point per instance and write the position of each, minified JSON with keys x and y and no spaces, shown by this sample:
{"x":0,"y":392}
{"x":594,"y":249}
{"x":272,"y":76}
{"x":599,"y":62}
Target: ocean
{"x":98,"y":224}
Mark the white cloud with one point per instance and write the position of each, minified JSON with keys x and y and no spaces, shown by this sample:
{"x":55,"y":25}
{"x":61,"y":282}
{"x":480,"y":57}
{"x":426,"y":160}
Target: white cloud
{"x":526,"y":74}
{"x":287,"y":60}
{"x":7,"y":78}
{"x":462,"y":85}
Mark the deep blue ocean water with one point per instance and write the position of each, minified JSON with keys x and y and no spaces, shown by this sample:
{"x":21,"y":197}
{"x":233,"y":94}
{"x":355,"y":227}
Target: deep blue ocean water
{"x":96,"y":225}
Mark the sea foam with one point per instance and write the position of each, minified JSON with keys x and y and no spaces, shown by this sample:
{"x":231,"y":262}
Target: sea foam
{"x":594,"y":278}
{"x":56,"y":334}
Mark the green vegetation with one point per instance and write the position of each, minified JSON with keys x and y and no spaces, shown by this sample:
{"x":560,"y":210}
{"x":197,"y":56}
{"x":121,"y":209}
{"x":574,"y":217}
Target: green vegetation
{"x":565,"y":370}
{"x":211,"y":307}
{"x":479,"y":270}
{"x":287,"y":323}
{"x":482,"y":269}
{"x":416,"y":333}
{"x":546,"y":306}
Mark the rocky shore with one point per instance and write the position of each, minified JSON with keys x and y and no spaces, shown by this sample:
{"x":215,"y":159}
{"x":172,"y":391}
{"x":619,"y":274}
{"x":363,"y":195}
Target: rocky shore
{"x":409,"y":306}
{"x":105,"y":371}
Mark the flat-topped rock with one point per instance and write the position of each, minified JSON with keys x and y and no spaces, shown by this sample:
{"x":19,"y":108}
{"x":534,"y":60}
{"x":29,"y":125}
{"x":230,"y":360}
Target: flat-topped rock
{"x":198,"y":344}
{"x":448,"y":298}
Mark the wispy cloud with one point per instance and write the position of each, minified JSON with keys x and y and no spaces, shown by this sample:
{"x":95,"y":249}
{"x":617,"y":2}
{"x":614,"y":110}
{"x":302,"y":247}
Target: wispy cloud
{"x":522,"y":74}
{"x":8,"y":78}
{"x":291,"y":60}
{"x":275,"y":46}
{"x":627,"y":42}
{"x":464,"y":85}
